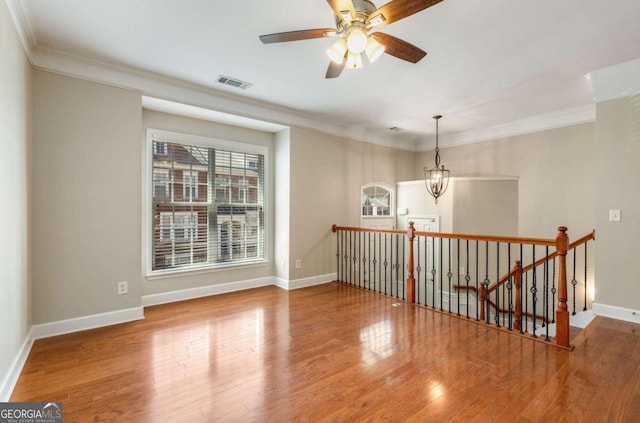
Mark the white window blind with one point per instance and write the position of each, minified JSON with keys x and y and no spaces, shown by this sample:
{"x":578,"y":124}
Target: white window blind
{"x":207,"y":206}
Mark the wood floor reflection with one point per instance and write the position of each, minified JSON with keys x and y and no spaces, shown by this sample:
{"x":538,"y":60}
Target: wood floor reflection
{"x":329,"y":353}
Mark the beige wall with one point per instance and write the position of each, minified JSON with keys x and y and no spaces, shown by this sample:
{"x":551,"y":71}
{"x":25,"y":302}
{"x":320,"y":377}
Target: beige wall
{"x":87,"y":198}
{"x":555,"y":170}
{"x":327,"y":173}
{"x":15,"y":190}
{"x":168,"y":122}
{"x":617,"y":172}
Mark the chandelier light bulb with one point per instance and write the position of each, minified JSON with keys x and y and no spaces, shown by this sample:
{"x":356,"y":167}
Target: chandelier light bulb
{"x":357,"y":41}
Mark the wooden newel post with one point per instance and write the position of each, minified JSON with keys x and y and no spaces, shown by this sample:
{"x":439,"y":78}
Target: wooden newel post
{"x":562,"y":314}
{"x":483,"y":300}
{"x":411,"y":282}
{"x":517,"y":281}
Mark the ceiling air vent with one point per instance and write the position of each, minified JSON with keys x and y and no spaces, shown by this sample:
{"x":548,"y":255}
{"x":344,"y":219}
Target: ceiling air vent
{"x":232,"y":82}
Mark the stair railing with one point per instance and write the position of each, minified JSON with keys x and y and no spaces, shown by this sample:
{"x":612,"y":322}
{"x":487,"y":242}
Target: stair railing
{"x":440,"y":271}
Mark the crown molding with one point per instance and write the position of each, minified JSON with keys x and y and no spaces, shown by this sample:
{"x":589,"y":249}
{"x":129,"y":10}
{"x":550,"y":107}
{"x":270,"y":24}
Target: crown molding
{"x":618,"y":81}
{"x":23,"y":23}
{"x":558,"y":119}
{"x":179,"y":91}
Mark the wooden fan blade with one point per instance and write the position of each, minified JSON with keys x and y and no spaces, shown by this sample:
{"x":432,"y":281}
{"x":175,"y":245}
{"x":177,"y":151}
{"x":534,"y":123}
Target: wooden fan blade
{"x":399,"y":48}
{"x":305,"y":34}
{"x":400,"y":9}
{"x":342,"y":5}
{"x":334,"y":70}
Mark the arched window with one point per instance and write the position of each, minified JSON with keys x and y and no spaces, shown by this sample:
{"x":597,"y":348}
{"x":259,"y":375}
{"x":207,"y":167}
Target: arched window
{"x":377,"y":200}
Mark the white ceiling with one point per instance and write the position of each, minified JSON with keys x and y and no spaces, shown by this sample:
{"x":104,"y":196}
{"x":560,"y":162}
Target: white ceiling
{"x":489,"y":62}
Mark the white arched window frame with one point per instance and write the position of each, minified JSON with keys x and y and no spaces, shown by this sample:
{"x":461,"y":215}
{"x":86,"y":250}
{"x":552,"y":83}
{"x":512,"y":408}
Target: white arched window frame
{"x":377,"y":200}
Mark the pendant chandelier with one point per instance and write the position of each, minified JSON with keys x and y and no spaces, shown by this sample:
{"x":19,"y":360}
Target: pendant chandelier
{"x":437,"y":178}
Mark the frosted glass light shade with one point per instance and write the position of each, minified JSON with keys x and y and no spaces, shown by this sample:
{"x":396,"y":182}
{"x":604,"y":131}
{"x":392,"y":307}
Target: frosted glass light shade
{"x":357,"y":41}
{"x":374,"y":50}
{"x":337,"y":51}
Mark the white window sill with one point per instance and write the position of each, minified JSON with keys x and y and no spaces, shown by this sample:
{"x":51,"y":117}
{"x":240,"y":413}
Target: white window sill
{"x":172,"y":273}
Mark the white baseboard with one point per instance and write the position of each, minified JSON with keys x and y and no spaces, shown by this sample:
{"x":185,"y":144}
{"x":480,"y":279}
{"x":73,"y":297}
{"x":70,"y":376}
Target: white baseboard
{"x":615,"y":312}
{"x":204,"y":291}
{"x":93,"y":321}
{"x":306,"y":282}
{"x":10,"y":380}
{"x":582,"y":319}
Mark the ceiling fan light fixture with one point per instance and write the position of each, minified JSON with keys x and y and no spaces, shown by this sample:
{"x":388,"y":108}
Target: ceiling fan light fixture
{"x":373,"y":50}
{"x":354,"y":60}
{"x":337,"y":51}
{"x":357,"y":40}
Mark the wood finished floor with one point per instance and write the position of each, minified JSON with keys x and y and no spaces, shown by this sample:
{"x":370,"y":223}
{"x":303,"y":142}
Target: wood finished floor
{"x":329,"y":353}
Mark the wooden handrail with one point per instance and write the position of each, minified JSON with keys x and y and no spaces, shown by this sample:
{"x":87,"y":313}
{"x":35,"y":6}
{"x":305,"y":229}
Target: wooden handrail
{"x":489,"y":238}
{"x":573,"y":245}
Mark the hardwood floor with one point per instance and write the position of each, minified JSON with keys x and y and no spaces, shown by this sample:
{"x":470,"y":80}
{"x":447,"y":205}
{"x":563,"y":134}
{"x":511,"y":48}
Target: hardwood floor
{"x":330,"y":353}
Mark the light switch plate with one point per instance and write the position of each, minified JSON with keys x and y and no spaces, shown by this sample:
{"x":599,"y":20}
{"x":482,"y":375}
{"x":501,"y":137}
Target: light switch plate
{"x":614,"y":215}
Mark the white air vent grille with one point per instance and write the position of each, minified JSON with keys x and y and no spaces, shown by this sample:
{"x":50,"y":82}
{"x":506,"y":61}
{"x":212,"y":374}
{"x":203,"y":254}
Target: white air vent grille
{"x":232,"y":82}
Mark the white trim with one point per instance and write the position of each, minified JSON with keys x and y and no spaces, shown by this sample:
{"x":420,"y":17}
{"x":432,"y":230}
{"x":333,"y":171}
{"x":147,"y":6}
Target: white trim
{"x":614,"y":312}
{"x":23,"y":23}
{"x":582,"y":319}
{"x":558,"y":119}
{"x":61,"y":327}
{"x":219,"y":100}
{"x":11,"y":378}
{"x":617,"y":81}
{"x":181,"y":109}
{"x":204,"y":291}
{"x":147,"y":183}
{"x":314,"y":280}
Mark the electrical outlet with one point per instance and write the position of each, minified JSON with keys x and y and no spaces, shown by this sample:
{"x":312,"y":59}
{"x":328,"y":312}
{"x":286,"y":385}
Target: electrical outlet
{"x":461,"y":270}
{"x":123,"y":287}
{"x":298,"y":264}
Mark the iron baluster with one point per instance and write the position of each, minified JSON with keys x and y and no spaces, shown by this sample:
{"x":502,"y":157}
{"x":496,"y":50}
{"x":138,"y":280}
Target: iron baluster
{"x":534,"y":291}
{"x":509,"y":290}
{"x":545,"y":315}
{"x":369,"y":262}
{"x":498,"y":288}
{"x":477,"y":281}
{"x":574,"y":282}
{"x":553,"y":292}
{"x":449,"y":274}
{"x":386,"y":263}
{"x":585,"y":276}
{"x":485,"y":283}
{"x":433,"y":273}
{"x":418,"y":268}
{"x":519,"y":312}
{"x":458,"y":275}
{"x":467,"y":278}
{"x":441,"y":279}
{"x":404,"y":269}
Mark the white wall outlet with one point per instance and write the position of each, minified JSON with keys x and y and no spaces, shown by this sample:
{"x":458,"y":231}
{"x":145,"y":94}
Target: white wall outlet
{"x":298,"y":264}
{"x":461,"y":271}
{"x":614,"y":215}
{"x":123,"y":287}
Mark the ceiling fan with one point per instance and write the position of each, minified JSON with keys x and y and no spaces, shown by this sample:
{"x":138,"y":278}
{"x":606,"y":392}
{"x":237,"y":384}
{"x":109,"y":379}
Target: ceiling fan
{"x":357,"y":22}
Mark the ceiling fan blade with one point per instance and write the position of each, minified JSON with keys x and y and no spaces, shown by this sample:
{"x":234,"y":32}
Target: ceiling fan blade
{"x":339,"y":6}
{"x":400,"y":9}
{"x":334,"y":70}
{"x":399,"y":48}
{"x":305,"y":34}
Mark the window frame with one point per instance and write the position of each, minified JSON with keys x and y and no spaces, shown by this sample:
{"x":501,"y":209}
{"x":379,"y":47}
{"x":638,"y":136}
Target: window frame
{"x":148,"y":183}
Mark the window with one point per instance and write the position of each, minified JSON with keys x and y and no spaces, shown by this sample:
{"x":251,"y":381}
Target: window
{"x":190,"y":185}
{"x":207,"y":204}
{"x":377,"y":200}
{"x":160,"y":148}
